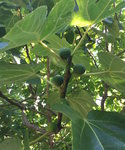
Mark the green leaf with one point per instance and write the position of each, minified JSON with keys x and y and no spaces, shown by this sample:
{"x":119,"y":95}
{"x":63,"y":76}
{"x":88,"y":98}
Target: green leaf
{"x":53,"y":98}
{"x":80,"y":58}
{"x":19,"y":3}
{"x":26,"y":138}
{"x":107,"y":36}
{"x":100,"y":131}
{"x":39,"y":50}
{"x":11,"y":144}
{"x":54,"y":42}
{"x":28,"y":29}
{"x":82,"y":102}
{"x":7,"y":18}
{"x":115,"y":71}
{"x":35,"y":27}
{"x":10,"y":73}
{"x":113,"y":28}
{"x":92,"y":11}
{"x":59,"y":17}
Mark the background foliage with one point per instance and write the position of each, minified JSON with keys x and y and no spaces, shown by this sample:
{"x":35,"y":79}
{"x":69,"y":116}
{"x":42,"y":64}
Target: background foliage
{"x":79,"y":111}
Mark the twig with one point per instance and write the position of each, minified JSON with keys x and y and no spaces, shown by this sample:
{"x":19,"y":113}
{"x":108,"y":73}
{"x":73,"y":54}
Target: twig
{"x":120,"y":53}
{"x":49,"y":113}
{"x":81,"y":41}
{"x":33,"y":92}
{"x":34,"y":110}
{"x":12,"y":102}
{"x":31,"y":126}
{"x":93,"y":58}
{"x":19,"y":104}
{"x":89,"y":41}
{"x":89,"y":38}
{"x":48,"y":75}
{"x":79,"y":31}
{"x":27,"y":53}
{"x":106,"y":43}
{"x":104,"y":97}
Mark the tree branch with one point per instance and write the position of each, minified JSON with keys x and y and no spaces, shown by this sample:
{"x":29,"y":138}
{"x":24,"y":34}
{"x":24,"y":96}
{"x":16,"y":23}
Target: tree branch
{"x":63,"y":89}
{"x":93,"y":59}
{"x":89,"y":38}
{"x":27,"y":53}
{"x":104,"y":97}
{"x":12,"y":102}
{"x":31,"y":126}
{"x":19,"y":104}
{"x":120,"y":53}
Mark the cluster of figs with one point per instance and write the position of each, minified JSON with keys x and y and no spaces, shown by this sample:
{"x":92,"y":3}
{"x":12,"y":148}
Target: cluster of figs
{"x":78,"y":69}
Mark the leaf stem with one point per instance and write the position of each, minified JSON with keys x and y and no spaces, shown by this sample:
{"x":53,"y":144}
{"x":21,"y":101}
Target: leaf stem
{"x":103,"y":72}
{"x":81,"y":41}
{"x":46,"y":47}
{"x":39,"y":138}
{"x":51,"y":51}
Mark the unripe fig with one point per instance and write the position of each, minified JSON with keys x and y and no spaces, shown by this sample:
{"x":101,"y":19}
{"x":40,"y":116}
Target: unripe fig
{"x":64,"y":53}
{"x":57,"y":80}
{"x":79,"y":69}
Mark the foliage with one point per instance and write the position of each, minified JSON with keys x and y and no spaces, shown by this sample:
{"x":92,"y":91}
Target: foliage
{"x":62,"y":74}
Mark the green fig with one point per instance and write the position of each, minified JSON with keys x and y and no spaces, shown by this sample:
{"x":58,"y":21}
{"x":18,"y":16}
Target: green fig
{"x":64,"y":53}
{"x":57,"y":80}
{"x":79,"y":69}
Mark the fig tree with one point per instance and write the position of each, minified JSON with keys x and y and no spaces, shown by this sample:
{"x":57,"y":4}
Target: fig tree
{"x":57,"y":80}
{"x":79,"y":69}
{"x":64,"y":53}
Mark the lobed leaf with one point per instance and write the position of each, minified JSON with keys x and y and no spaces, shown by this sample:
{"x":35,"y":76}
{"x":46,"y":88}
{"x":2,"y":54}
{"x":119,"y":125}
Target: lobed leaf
{"x":100,"y":131}
{"x":92,"y":11}
{"x":115,"y":70}
{"x":11,"y":73}
{"x":82,"y":102}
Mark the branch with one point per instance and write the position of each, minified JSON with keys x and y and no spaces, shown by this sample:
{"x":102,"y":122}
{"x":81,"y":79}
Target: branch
{"x":89,"y":38}
{"x":93,"y":58}
{"x":104,"y":97}
{"x":31,"y":126}
{"x":19,"y":104}
{"x":120,"y":53}
{"x":81,"y":41}
{"x":63,"y":89}
{"x":33,"y":91}
{"x":34,"y":110}
{"x":12,"y":102}
{"x":48,"y":75}
{"x":27,"y":53}
{"x":106,"y":43}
